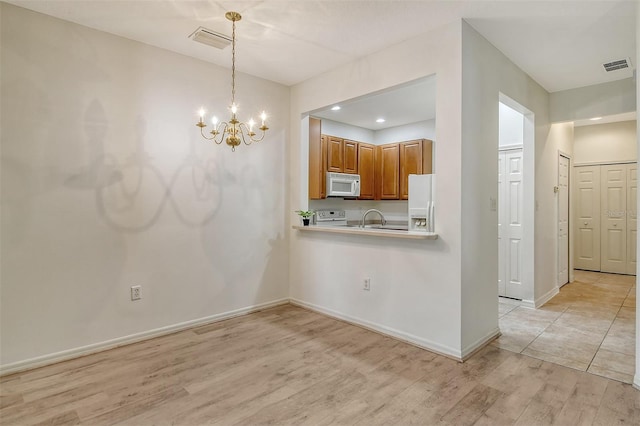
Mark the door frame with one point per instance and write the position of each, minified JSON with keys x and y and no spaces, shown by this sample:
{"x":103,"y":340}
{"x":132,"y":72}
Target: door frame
{"x":569,"y":219}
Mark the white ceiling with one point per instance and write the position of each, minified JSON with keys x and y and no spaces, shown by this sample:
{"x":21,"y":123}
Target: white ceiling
{"x":408,"y":103}
{"x":561,"y":44}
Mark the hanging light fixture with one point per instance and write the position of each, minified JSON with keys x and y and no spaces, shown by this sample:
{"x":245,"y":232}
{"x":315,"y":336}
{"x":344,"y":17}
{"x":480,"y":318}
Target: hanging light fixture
{"x":233,"y":132}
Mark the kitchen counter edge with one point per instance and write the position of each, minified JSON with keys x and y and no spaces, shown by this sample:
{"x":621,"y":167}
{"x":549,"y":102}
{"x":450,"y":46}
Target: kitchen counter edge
{"x":415,"y":235}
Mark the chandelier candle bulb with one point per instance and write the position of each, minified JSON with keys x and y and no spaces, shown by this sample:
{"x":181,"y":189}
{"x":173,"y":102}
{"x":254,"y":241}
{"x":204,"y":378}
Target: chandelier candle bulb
{"x":234,"y":131}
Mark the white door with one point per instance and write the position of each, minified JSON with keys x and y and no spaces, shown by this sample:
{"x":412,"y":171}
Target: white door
{"x":510,"y":224}
{"x":614,"y":221}
{"x":587,"y":222}
{"x":502,"y":265}
{"x":563,"y":220}
{"x":632,"y":223}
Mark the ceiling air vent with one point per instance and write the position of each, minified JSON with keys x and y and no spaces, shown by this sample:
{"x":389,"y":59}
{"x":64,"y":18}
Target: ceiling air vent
{"x":210,"y":38}
{"x":617,"y":65}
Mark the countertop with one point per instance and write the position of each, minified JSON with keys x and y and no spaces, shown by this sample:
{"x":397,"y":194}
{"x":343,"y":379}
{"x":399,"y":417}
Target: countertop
{"x":389,"y":233}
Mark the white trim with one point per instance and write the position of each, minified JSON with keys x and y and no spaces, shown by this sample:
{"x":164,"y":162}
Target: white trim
{"x":510,"y":147}
{"x":397,"y":334}
{"x":569,"y":221}
{"x":606,"y":163}
{"x":636,"y":381}
{"x":528,"y":303}
{"x":545,"y":297}
{"x":68,"y":354}
{"x":480,"y":343}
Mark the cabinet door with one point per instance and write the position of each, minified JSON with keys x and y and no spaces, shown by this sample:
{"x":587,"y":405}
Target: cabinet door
{"x":632,"y":222}
{"x":335,"y":154}
{"x":323,"y":167}
{"x":366,"y":161}
{"x":350,"y":157}
{"x":613,"y":195}
{"x":427,"y":156}
{"x":387,"y":171}
{"x":587,"y":223}
{"x":317,"y":160}
{"x":410,"y":164}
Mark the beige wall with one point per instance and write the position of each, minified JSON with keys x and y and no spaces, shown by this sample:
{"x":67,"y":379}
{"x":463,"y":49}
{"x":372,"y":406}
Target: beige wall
{"x":614,"y":97}
{"x":415,"y":285}
{"x":106,"y":184}
{"x":601,"y":143}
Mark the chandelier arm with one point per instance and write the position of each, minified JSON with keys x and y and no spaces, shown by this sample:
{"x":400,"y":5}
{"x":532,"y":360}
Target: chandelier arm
{"x":205,"y":136}
{"x":224,"y":125}
{"x":244,"y":128}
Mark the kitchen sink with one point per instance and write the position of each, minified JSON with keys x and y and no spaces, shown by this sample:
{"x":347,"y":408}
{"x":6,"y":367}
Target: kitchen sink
{"x":384,"y":227}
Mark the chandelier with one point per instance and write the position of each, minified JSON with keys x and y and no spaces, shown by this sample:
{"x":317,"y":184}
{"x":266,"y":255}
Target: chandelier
{"x":233,"y":132}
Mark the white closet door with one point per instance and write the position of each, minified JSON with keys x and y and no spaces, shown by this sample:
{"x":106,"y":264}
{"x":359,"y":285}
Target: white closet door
{"x":614,"y":218}
{"x":587,"y":223}
{"x":563,"y":220}
{"x":632,"y":223}
{"x":502,"y":264}
{"x":513,"y":219}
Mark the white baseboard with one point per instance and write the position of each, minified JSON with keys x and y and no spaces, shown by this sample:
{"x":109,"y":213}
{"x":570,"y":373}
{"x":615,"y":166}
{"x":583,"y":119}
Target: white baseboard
{"x":528,"y":303}
{"x":53,"y":358}
{"x":546,"y":297}
{"x":480,"y":343}
{"x":388,"y":331}
{"x":636,"y":381}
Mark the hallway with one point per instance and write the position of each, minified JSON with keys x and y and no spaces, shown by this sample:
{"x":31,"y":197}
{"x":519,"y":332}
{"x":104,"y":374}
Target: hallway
{"x":589,"y":326}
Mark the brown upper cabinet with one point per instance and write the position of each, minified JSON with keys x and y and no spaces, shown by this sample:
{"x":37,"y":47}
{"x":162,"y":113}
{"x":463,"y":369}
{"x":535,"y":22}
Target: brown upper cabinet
{"x":335,"y":154}
{"x":384,"y":169}
{"x":387,"y":171}
{"x":350,"y":157}
{"x":415,"y":159}
{"x":366,"y":169}
{"x":317,"y":160}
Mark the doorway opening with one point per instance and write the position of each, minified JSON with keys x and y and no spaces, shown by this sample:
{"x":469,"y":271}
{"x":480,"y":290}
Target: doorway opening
{"x":563,"y":214}
{"x":515,"y":201}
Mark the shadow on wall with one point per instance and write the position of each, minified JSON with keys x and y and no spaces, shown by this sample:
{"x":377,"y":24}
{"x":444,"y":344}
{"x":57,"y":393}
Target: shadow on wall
{"x":130,"y":197}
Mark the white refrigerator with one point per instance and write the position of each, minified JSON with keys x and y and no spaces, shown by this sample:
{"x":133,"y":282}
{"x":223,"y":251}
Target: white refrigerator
{"x":421,"y":203}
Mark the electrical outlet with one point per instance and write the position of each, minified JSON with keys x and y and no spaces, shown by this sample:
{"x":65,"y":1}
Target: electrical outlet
{"x":136,"y":292}
{"x":367,"y":284}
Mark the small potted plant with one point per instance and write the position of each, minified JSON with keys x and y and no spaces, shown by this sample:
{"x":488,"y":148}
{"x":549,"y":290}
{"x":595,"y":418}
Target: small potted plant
{"x":305,"y":215}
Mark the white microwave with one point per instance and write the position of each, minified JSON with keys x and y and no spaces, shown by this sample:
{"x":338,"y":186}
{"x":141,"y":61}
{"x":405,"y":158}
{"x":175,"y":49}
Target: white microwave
{"x":343,"y":185}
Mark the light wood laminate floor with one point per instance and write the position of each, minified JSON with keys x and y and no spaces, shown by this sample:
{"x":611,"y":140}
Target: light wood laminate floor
{"x":287,"y":365}
{"x":590,"y":326}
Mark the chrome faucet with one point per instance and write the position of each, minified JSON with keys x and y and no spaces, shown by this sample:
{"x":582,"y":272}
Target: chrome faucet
{"x":384,"y":221}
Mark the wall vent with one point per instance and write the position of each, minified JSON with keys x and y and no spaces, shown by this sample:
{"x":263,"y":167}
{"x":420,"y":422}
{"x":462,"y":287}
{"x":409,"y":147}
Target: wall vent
{"x":620,"y":64}
{"x":210,"y":38}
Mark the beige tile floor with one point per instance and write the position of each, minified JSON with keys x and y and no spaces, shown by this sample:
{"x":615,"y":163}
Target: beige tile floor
{"x":589,"y":326}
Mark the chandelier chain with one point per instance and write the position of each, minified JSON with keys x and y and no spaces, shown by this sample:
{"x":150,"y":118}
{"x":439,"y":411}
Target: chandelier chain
{"x":233,"y":64}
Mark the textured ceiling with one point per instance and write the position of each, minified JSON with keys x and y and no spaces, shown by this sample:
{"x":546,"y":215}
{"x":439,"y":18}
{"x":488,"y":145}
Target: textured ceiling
{"x":561,"y":44}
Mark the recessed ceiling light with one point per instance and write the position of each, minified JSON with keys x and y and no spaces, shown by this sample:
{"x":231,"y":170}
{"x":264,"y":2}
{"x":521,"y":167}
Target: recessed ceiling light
{"x":335,"y":108}
{"x":595,"y":118}
{"x":380,"y":120}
